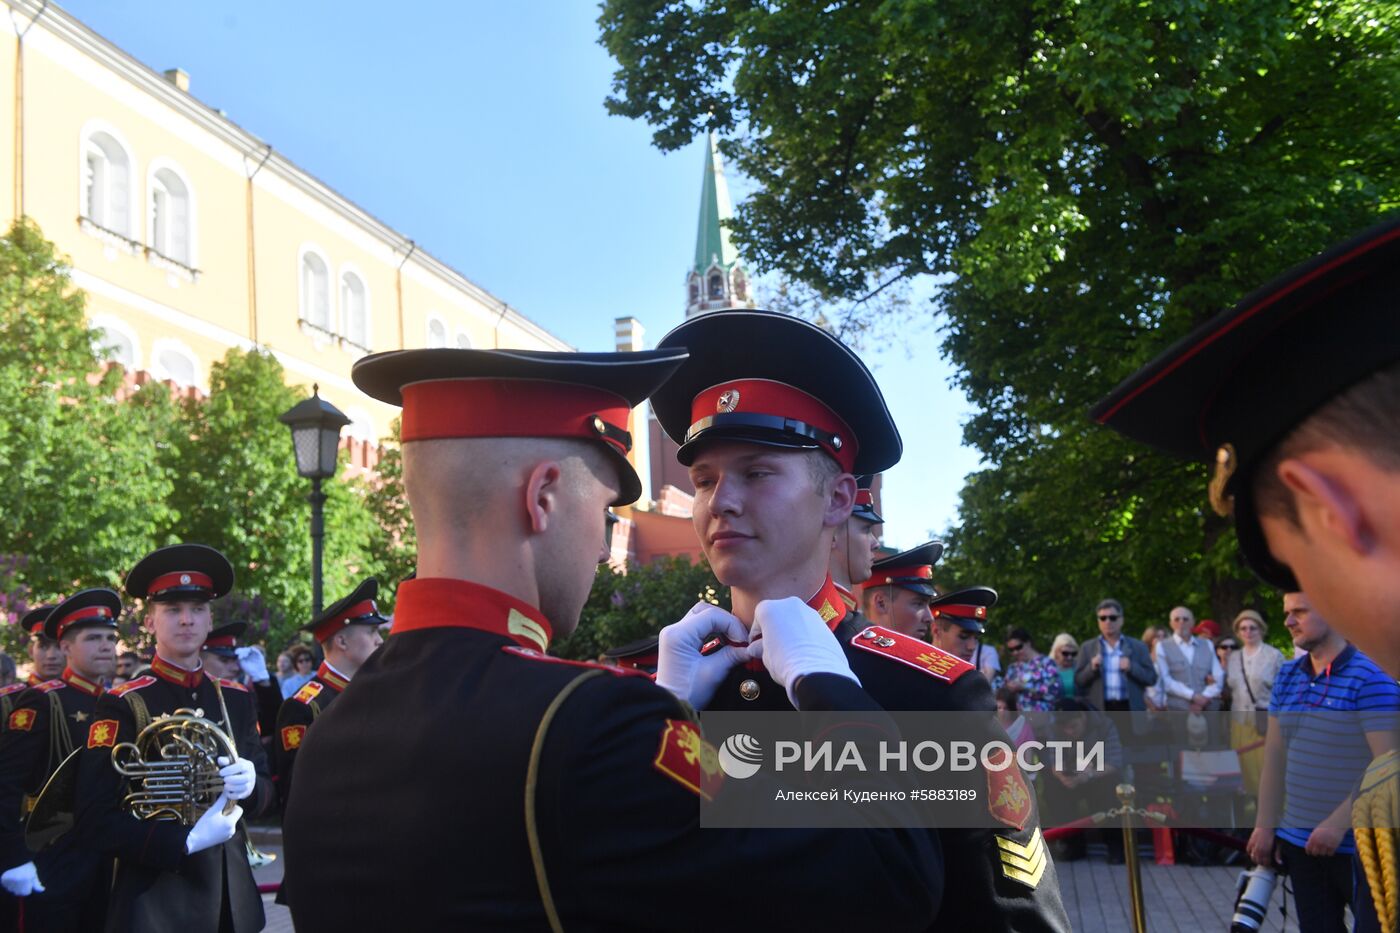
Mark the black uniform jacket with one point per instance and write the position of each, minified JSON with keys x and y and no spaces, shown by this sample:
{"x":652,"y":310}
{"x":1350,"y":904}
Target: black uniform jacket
{"x":158,"y":888}
{"x":297,"y":713}
{"x":44,"y":725}
{"x":988,"y":871}
{"x":410,"y":809}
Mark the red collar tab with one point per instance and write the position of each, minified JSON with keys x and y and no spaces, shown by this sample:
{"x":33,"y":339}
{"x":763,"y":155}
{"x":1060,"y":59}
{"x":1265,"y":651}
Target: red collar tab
{"x":332,"y":677}
{"x":829,"y":604}
{"x":176,"y":675}
{"x":86,"y":614}
{"x":800,"y":413}
{"x":886,"y":576}
{"x":178,"y":579}
{"x":221,"y":641}
{"x":514,"y":408}
{"x":361,"y":610}
{"x":444,"y":603}
{"x":78,"y":682}
{"x":961,"y":611}
{"x":33,"y":680}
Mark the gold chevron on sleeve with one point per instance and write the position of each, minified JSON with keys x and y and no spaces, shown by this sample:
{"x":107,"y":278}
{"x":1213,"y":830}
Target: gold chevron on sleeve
{"x":1023,"y":863}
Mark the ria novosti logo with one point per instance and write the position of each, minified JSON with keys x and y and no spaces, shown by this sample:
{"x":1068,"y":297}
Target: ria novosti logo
{"x":740,"y":756}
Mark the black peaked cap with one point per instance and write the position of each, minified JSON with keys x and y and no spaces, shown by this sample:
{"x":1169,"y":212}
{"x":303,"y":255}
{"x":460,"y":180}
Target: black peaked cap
{"x":84,"y":609}
{"x":185,"y":559}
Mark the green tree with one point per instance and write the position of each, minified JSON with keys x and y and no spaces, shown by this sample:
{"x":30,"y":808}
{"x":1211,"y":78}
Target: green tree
{"x":84,"y":494}
{"x":626,"y":606}
{"x":393,"y":542}
{"x":1090,"y":180}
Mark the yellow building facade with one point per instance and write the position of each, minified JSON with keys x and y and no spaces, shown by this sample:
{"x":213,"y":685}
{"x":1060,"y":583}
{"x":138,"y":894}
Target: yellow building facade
{"x":190,"y":235}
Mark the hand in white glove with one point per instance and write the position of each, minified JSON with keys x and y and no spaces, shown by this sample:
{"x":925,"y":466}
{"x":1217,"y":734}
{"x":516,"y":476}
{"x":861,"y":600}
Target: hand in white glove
{"x":214,"y":827}
{"x":253,"y":663}
{"x":682,"y":669}
{"x":239,"y":777}
{"x":22,"y":880}
{"x":794,"y":641}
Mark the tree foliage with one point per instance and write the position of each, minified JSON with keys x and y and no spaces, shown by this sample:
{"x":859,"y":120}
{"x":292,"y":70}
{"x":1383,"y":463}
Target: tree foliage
{"x":1092,"y":179}
{"x":393,"y":541}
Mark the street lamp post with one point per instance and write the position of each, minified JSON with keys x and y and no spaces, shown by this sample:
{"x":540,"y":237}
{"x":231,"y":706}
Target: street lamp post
{"x":315,"y":425}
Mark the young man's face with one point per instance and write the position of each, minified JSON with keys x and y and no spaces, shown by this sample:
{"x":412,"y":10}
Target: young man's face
{"x":910,"y":614}
{"x":1307,"y":626}
{"x":358,"y":643}
{"x":857,"y":545}
{"x":955,"y":639}
{"x":576,"y":543}
{"x":47,"y":657}
{"x":126,"y":665}
{"x":761,"y":516}
{"x":221,"y":665}
{"x":91,"y":651}
{"x":181,"y":627}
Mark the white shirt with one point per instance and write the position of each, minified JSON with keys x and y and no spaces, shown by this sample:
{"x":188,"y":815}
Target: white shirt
{"x":1188,"y":648}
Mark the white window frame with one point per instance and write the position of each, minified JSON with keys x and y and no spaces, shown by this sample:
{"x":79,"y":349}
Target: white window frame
{"x":117,"y":326}
{"x":170,"y":345}
{"x":463,"y":341}
{"x":350,"y":269}
{"x":126,"y":228}
{"x":162,"y":164}
{"x":311,"y":249}
{"x":428,"y":331}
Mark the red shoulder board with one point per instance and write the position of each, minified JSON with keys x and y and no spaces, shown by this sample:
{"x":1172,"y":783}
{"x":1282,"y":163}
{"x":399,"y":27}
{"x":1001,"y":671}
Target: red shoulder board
{"x":13,"y":688}
{"x":308,"y":692}
{"x":686,"y":758}
{"x":49,"y":686}
{"x":231,"y":684}
{"x":534,"y":655}
{"x":137,"y":684}
{"x":919,"y":655}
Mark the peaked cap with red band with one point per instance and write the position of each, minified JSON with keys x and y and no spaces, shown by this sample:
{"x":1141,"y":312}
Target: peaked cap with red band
{"x":520,"y":393}
{"x":356,"y":609}
{"x":639,"y":655}
{"x":179,"y":572}
{"x":1227,"y":393}
{"x":910,"y":570}
{"x":773,"y":379}
{"x":865,"y":501}
{"x":33,"y":620}
{"x":967,"y":608}
{"x":224,"y":639}
{"x":84,"y":609}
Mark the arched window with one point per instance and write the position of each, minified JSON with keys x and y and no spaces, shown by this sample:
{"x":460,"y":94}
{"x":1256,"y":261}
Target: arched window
{"x":116,"y":342}
{"x":437,"y":333}
{"x":694,"y":288}
{"x":716,"y":285}
{"x":463,"y":341}
{"x":106,"y":182}
{"x":354,"y":309}
{"x":172,"y":360}
{"x":171,"y":229}
{"x":315,"y":290}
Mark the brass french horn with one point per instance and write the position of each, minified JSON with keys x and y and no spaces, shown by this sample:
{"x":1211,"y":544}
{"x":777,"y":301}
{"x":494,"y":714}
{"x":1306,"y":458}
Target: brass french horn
{"x":173,"y":767}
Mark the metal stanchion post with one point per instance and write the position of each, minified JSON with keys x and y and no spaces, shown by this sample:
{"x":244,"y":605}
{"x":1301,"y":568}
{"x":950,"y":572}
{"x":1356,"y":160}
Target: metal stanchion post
{"x":1126,"y":794}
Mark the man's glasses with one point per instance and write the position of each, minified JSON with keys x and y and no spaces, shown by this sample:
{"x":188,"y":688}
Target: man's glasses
{"x":1013,"y":647}
{"x":1109,"y":617}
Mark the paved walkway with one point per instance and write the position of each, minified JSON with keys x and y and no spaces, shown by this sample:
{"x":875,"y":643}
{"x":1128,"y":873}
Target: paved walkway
{"x":1179,"y":898}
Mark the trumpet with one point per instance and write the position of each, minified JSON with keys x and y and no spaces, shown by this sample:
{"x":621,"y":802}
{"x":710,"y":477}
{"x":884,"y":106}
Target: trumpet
{"x":173,"y":767}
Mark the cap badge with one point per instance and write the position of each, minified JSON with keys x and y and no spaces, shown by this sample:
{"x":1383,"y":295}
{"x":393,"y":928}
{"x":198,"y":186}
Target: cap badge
{"x":728,"y":401}
{"x":184,"y":579}
{"x":1225,"y":465}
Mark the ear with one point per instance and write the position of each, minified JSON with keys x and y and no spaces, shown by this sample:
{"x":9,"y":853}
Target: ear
{"x":840,"y":501}
{"x":542,"y":494}
{"x":1327,"y":505}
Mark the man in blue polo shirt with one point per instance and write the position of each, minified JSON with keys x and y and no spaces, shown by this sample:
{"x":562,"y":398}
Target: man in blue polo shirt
{"x":1331,"y":712}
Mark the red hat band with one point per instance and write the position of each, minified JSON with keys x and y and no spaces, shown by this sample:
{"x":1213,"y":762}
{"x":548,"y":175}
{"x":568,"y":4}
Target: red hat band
{"x":962,"y":612}
{"x":89,"y":614}
{"x":799,"y":413}
{"x":886,"y":575}
{"x":865,"y":497}
{"x":360,"y":610}
{"x":222,"y":641}
{"x":444,"y":408}
{"x":169,"y":581}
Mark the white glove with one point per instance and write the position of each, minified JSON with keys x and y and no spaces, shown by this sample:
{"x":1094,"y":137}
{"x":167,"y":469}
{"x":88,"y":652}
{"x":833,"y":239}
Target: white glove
{"x":253,"y":663}
{"x":794,"y":641}
{"x":239,"y":777}
{"x":214,"y":827}
{"x":682,"y":669}
{"x":22,"y":880}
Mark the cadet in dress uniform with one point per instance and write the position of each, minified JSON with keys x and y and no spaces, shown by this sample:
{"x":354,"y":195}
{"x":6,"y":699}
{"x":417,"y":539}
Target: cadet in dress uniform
{"x":64,"y":886}
{"x":465,"y":779}
{"x":220,"y":656}
{"x":900,"y":588}
{"x":40,"y":653}
{"x":856,"y":541}
{"x":758,"y":390}
{"x":349,"y":633}
{"x":172,"y":877}
{"x":1294,"y":394}
{"x":960,"y":621}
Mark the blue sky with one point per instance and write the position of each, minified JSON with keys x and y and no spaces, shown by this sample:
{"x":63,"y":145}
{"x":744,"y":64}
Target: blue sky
{"x":478,"y":130}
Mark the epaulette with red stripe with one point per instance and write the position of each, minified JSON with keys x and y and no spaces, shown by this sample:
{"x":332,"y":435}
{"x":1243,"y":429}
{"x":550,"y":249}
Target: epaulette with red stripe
{"x":13,"y":688}
{"x":49,"y":686}
{"x":534,"y":655}
{"x":308,"y":692}
{"x":231,"y":684}
{"x":143,"y":681}
{"x":912,"y":652}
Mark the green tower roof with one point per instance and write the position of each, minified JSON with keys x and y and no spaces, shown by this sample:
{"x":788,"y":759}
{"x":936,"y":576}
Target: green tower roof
{"x":711,"y":239}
